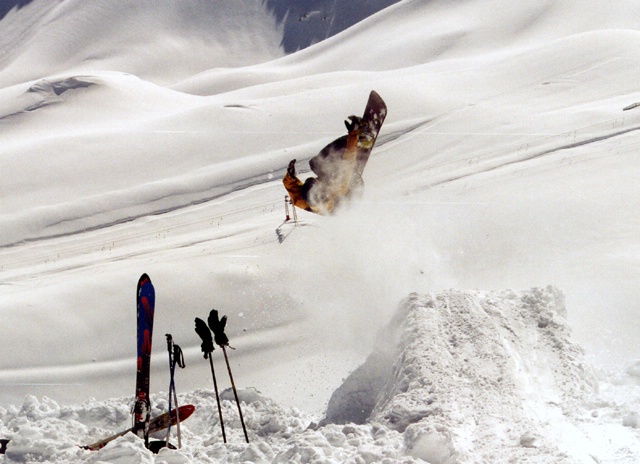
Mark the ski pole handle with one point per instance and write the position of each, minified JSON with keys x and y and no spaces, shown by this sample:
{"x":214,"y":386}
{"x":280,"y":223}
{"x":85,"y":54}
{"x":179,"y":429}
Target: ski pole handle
{"x":178,"y":356}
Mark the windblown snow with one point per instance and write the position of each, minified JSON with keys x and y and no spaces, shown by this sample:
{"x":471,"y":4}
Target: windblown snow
{"x":478,"y":304}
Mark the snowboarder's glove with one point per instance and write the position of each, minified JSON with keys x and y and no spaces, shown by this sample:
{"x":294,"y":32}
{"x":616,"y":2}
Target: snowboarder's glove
{"x":203,"y":331}
{"x":291,"y":169}
{"x":354,"y":123}
{"x":217,"y":327}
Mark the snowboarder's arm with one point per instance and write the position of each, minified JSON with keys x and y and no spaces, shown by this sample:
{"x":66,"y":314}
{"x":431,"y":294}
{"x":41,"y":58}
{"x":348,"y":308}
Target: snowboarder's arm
{"x":294,"y":187}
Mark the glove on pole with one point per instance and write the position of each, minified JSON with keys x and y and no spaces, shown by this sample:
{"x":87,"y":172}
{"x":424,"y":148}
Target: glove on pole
{"x":207,"y":348}
{"x":217,"y":327}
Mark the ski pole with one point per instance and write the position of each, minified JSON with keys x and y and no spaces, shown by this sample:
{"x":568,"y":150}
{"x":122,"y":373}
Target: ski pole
{"x":207,"y":348}
{"x":175,"y":396}
{"x":178,"y":358}
{"x":295,"y":214}
{"x":215,"y":387}
{"x":217,"y":326}
{"x":171,"y":371}
{"x":235,"y":393}
{"x":286,"y":208}
{"x":175,"y":358}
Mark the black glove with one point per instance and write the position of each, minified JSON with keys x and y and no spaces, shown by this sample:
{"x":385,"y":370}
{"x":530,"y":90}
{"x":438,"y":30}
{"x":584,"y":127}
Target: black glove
{"x":205,"y":335}
{"x":291,"y":169}
{"x":217,"y":327}
{"x":354,"y":123}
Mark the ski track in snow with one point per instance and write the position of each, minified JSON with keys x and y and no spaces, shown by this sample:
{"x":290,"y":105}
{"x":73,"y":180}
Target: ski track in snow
{"x":487,"y":163}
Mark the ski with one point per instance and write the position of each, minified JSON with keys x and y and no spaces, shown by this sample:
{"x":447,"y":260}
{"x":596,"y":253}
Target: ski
{"x":287,"y":227}
{"x":158,"y":424}
{"x":145,"y":302}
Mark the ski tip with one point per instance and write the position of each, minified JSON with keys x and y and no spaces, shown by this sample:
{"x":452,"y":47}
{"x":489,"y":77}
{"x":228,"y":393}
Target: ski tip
{"x":144,"y":280}
{"x":185,"y":411}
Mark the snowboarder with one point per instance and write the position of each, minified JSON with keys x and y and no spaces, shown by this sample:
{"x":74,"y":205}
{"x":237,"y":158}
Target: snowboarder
{"x":339,"y":165}
{"x":323,"y":193}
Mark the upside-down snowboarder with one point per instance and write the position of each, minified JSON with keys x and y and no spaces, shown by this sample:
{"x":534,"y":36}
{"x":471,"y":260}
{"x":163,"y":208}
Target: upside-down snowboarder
{"x":339,"y":165}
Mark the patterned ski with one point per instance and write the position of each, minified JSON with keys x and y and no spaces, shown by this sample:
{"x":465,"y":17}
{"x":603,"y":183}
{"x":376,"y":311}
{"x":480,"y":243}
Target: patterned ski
{"x":145,"y":298}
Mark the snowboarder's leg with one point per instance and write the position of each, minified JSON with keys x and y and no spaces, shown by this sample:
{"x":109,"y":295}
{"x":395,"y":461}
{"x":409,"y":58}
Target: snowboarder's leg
{"x":319,"y":195}
{"x":355,"y":125}
{"x":358,"y":130}
{"x":324,"y":193}
{"x":347,"y":165}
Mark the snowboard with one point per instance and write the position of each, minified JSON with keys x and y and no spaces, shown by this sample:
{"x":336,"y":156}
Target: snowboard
{"x":374,"y":114}
{"x":145,"y":303}
{"x":158,"y":424}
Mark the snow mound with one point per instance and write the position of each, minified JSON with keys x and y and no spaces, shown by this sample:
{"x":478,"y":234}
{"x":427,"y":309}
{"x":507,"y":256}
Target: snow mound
{"x":471,"y":373}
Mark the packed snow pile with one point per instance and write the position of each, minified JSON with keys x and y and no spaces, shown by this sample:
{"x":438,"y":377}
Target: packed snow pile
{"x":478,"y":377}
{"x":457,"y":377}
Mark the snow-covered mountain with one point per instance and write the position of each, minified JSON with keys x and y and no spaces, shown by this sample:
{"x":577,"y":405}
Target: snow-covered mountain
{"x":306,"y":23}
{"x":152,"y":136}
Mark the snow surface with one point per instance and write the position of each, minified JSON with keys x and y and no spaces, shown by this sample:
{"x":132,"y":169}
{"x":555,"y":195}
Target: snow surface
{"x":152,"y":136}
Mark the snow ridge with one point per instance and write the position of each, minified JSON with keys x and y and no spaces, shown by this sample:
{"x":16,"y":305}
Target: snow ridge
{"x":467,"y":366}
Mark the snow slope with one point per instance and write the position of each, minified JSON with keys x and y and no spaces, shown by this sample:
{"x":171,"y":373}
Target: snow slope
{"x":306,"y":23}
{"x":139,"y":139}
{"x":158,"y":41}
